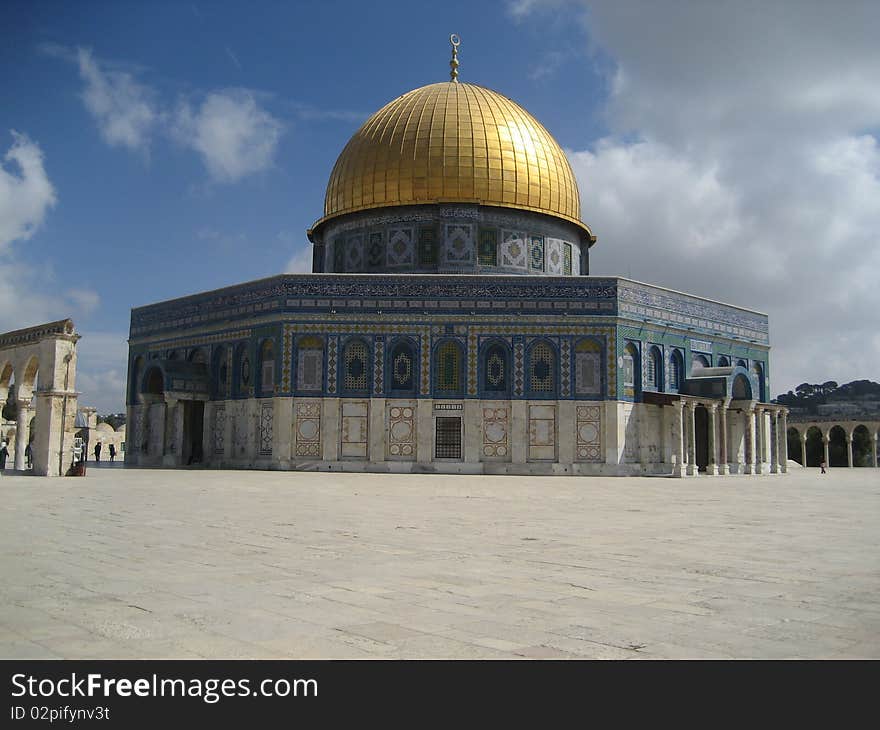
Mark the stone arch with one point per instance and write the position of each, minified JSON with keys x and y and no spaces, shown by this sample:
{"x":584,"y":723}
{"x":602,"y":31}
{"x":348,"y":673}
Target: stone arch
{"x":862,"y":445}
{"x":495,"y":358}
{"x":26,"y":379}
{"x":402,"y":368}
{"x":815,"y":445}
{"x":793,"y":438}
{"x":758,"y":374}
{"x":699,"y":361}
{"x":837,"y":446}
{"x":542,"y":369}
{"x":153,"y":381}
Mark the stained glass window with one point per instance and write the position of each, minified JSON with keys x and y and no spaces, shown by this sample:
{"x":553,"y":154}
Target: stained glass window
{"x":488,"y":249}
{"x":542,"y":365}
{"x":356,"y":371}
{"x":448,"y":367}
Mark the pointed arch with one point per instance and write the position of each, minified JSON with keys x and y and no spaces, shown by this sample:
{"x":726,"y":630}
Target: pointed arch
{"x":309,"y":358}
{"x":588,"y":367}
{"x":632,"y":370}
{"x":654,"y":369}
{"x":676,"y":371}
{"x":495,"y":369}
{"x":542,"y":366}
{"x":402,"y":368}
{"x":357,"y":367}
{"x":449,"y":377}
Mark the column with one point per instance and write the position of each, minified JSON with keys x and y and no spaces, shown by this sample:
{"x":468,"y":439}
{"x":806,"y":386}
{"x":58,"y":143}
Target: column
{"x":849,"y":459}
{"x":749,"y":445}
{"x":783,"y":444}
{"x":803,"y":449}
{"x":21,"y":434}
{"x":759,"y":440}
{"x":712,"y":468}
{"x":691,"y":441}
{"x":874,"y":451}
{"x":677,"y":428}
{"x":825,"y":439}
{"x":723,"y":466}
{"x":774,"y":442}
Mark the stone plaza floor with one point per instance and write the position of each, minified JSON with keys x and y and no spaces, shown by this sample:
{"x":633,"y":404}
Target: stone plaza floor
{"x":128,"y":563}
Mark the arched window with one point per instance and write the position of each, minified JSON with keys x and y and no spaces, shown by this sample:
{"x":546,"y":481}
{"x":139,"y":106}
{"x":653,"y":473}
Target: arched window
{"x":402,"y":368}
{"x":267,"y":368}
{"x":724,"y":361}
{"x":356,"y":367}
{"x":448,"y":375}
{"x":310,"y":364}
{"x":630,"y":368}
{"x":198,"y":356}
{"x":654,"y":370}
{"x":676,"y":370}
{"x":758,"y":372}
{"x":588,"y":368}
{"x":699,"y":361}
{"x":137,"y":369}
{"x":220,"y":373}
{"x":542,"y":370}
{"x":241,"y":374}
{"x":742,"y":364}
{"x":496,"y":379}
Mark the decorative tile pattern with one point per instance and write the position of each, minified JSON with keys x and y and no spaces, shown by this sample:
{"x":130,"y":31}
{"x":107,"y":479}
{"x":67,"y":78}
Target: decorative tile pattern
{"x":472,"y":364}
{"x":379,"y":366}
{"x":588,"y":446}
{"x":401,"y":247}
{"x":495,"y":369}
{"x":564,"y":369}
{"x":487,"y":253}
{"x":307,"y":428}
{"x":496,"y":432}
{"x":542,"y":367}
{"x":332,"y":345}
{"x":448,"y":370}
{"x":401,"y":420}
{"x":356,"y":368}
{"x":518,"y":367}
{"x":566,"y":258}
{"x":239,"y":429}
{"x":554,"y":257}
{"x":542,"y":433}
{"x":218,"y":437}
{"x":267,"y":423}
{"x":588,"y":364}
{"x":458,"y":244}
{"x":403,"y":367}
{"x":353,"y":429}
{"x":513,"y":249}
{"x":309,"y":366}
{"x":425,"y":340}
{"x":536,"y":253}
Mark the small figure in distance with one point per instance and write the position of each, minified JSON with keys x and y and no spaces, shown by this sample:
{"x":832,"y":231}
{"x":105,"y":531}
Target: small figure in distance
{"x":4,"y":454}
{"x":98,"y":451}
{"x":822,"y":467}
{"x":28,"y":455}
{"x":112,"y":452}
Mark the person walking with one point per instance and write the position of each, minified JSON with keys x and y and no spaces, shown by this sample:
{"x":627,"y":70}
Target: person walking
{"x":28,"y":456}
{"x":4,"y":453}
{"x":112,"y":452}
{"x":98,"y":451}
{"x":822,"y":467}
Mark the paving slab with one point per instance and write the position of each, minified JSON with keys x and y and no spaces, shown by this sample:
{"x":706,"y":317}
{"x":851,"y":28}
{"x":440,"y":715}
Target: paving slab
{"x":209,"y":563}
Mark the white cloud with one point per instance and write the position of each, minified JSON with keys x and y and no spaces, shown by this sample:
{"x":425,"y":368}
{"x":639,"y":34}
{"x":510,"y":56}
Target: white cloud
{"x":300,"y":261}
{"x":124,"y":109}
{"x":741,"y":165}
{"x":101,"y":364}
{"x":233,"y":134}
{"x":26,"y":193}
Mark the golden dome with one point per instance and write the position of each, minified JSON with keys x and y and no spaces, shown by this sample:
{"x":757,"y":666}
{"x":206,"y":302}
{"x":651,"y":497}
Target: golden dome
{"x":453,"y":142}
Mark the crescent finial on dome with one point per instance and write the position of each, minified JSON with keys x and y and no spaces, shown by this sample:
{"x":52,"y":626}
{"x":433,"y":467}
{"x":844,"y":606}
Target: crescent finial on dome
{"x":453,"y":64}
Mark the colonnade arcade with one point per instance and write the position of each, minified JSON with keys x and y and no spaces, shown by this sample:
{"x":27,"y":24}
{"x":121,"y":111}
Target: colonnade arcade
{"x":826,"y":430}
{"x":38,"y":369}
{"x":727,"y":436}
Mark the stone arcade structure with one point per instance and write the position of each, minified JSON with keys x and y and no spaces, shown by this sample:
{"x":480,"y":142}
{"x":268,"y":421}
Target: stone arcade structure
{"x":38,"y":365}
{"x":452,"y":325}
{"x":802,"y":424}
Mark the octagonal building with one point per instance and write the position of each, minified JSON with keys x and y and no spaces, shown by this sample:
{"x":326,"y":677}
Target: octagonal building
{"x":451,"y":324}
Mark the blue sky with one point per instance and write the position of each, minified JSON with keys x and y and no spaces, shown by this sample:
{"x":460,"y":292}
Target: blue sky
{"x":166,"y":148}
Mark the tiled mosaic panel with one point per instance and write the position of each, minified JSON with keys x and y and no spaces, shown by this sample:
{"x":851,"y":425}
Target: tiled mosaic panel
{"x":448,"y":370}
{"x":495,"y":369}
{"x":354,"y":254}
{"x":354,"y":419}
{"x":541,"y":368}
{"x":587,"y":376}
{"x":379,"y":366}
{"x":403,"y":368}
{"x":536,"y":253}
{"x":332,"y":344}
{"x":356,"y":370}
{"x":542,"y":433}
{"x":401,"y":425}
{"x":566,"y":258}
{"x":218,"y":436}
{"x":267,"y":422}
{"x":487,"y":253}
{"x":401,"y":247}
{"x":458,"y":244}
{"x":564,"y":369}
{"x":588,"y":446}
{"x":496,"y":432}
{"x":307,"y":428}
{"x":554,"y":257}
{"x":513,"y":250}
{"x":518,"y":368}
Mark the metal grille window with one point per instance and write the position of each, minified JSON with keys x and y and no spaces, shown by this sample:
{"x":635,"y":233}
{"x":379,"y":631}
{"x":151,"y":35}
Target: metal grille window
{"x":448,"y":438}
{"x":355,"y":360}
{"x":402,"y":367}
{"x":495,"y":364}
{"x":448,"y":367}
{"x":542,"y":367}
